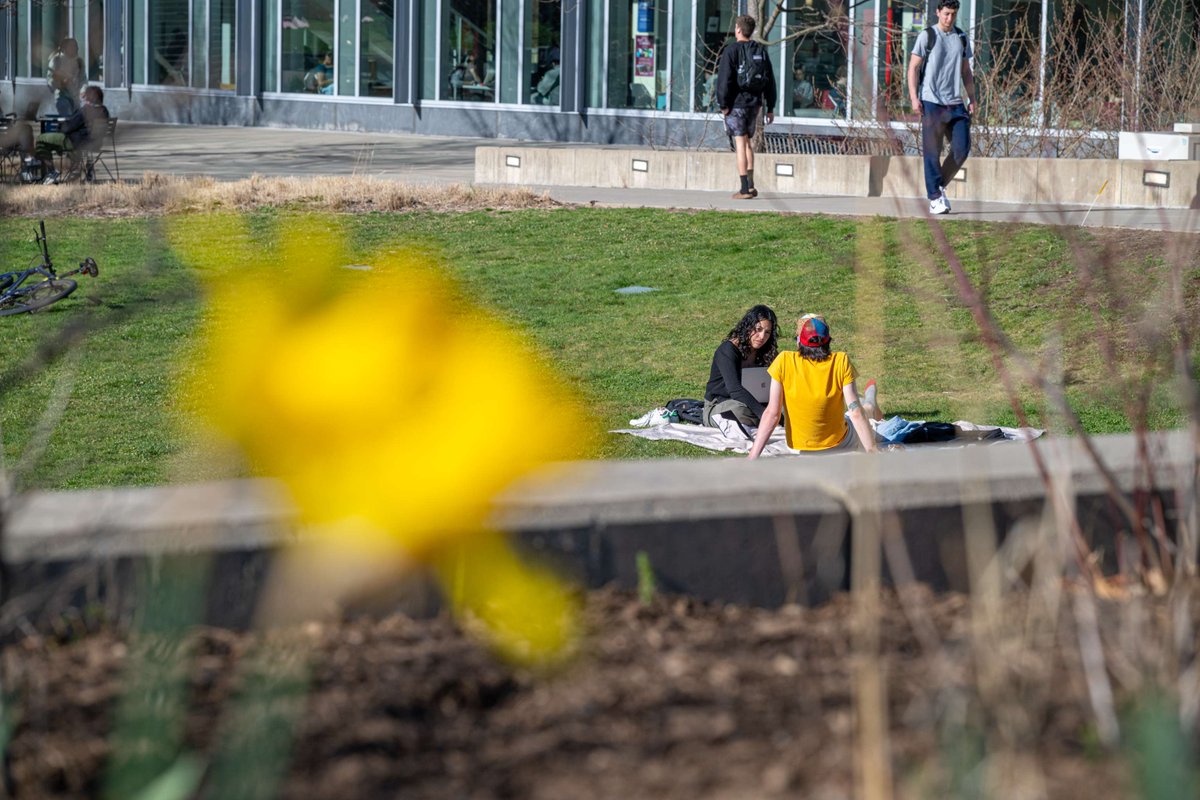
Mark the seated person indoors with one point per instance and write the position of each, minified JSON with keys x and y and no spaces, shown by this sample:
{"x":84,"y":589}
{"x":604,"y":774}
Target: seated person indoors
{"x":816,"y":388}
{"x":323,"y":73}
{"x":81,"y":130}
{"x":751,"y":343}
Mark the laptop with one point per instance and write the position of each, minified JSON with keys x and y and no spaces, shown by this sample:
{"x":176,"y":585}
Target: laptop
{"x":757,"y":382}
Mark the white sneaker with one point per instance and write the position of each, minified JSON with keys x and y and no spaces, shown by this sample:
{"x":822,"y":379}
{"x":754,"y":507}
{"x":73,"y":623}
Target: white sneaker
{"x":659,"y":416}
{"x":938,"y":205}
{"x":945,"y":199}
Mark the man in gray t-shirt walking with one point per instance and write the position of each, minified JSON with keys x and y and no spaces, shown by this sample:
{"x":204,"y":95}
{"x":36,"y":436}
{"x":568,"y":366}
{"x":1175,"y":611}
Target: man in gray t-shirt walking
{"x":945,"y":101}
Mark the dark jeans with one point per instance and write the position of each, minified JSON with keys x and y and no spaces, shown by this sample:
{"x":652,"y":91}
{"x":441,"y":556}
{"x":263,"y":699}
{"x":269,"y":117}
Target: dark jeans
{"x":939,"y":123}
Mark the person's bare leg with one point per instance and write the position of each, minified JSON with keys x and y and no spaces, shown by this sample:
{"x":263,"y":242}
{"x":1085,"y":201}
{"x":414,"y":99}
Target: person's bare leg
{"x":745,"y":159}
{"x":870,"y":407}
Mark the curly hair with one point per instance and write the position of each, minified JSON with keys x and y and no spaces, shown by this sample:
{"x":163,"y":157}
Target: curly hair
{"x":740,"y":335}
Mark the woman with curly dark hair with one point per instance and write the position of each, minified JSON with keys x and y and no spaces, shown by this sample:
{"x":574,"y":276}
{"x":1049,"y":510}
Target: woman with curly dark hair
{"x":751,"y":343}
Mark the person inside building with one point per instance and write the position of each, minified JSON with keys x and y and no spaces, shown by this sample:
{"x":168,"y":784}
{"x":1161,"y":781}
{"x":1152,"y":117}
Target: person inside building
{"x":803,"y":95}
{"x":751,"y":343}
{"x":546,"y":91}
{"x":66,"y":75}
{"x":319,"y":79}
{"x":814,"y":388}
{"x":81,"y":131}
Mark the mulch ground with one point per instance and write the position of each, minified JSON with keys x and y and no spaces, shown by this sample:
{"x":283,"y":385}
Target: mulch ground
{"x":677,"y":699}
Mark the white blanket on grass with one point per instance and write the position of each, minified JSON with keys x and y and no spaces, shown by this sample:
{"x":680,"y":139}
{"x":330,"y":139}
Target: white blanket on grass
{"x":716,"y":439}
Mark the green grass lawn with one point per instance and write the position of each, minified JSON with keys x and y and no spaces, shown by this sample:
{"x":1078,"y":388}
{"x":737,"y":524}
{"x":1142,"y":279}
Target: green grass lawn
{"x":552,"y":274}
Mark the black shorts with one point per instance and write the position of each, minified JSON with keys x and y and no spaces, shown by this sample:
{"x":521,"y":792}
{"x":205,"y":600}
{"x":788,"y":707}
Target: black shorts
{"x":742,"y":121}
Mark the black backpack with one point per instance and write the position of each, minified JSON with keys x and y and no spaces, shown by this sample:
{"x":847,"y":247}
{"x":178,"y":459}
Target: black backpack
{"x":752,"y":67}
{"x":688,"y":410}
{"x":931,"y":40}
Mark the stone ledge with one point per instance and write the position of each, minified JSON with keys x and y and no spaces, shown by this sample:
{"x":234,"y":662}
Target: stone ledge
{"x":1111,"y":183}
{"x":713,"y":528}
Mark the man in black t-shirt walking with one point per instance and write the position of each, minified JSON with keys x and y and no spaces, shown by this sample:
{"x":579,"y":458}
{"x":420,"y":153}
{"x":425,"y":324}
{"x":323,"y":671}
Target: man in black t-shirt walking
{"x":745,"y":84}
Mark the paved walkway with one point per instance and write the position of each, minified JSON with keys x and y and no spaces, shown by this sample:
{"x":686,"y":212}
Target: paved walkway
{"x":231,"y":153}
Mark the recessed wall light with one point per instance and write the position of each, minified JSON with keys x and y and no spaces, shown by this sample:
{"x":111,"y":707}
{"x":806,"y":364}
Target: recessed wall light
{"x":1153,"y":177}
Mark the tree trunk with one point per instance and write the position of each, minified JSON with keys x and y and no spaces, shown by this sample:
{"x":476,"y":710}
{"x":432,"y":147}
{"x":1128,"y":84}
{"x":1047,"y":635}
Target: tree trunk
{"x":754,"y":8}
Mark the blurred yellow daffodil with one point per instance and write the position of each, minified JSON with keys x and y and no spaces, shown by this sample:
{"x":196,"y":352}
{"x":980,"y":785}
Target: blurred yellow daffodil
{"x":393,"y":410}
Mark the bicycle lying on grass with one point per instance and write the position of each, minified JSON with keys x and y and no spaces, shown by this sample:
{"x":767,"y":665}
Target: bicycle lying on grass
{"x":38,"y":286}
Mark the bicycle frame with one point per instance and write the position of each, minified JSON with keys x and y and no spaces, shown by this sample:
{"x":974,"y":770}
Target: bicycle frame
{"x":11,"y":282}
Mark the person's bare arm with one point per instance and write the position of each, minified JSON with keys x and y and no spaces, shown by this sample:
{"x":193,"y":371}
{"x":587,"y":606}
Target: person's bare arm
{"x":968,"y":79}
{"x":914,"y":91}
{"x":857,"y":418}
{"x":770,"y":419}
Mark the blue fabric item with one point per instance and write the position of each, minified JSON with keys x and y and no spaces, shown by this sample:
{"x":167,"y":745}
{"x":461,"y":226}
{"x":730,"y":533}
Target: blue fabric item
{"x":896,"y":429}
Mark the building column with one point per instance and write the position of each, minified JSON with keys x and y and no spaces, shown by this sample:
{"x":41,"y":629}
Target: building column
{"x":406,"y":51}
{"x":115,"y":43}
{"x":573,"y":58}
{"x":249,"y":48}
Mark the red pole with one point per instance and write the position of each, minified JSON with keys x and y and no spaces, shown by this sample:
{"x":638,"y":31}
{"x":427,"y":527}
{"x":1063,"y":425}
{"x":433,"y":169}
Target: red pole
{"x":887,"y":50}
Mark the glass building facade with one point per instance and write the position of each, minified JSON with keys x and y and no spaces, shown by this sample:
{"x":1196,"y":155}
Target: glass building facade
{"x":620,"y":59}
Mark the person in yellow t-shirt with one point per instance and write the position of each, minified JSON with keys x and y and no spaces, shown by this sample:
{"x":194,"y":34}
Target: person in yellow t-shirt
{"x":816,"y":386}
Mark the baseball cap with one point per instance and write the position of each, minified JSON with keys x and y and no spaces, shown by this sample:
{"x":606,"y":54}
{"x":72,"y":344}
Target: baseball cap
{"x":814,"y":331}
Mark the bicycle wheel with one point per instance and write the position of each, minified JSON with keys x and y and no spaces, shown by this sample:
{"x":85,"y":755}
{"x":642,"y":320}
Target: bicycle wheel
{"x":37,"y":296}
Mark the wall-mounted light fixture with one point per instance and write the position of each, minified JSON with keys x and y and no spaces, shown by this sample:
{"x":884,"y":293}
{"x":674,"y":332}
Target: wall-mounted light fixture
{"x":1153,"y":177}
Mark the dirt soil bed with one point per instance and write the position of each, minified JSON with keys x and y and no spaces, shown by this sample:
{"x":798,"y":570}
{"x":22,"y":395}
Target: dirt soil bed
{"x":672,"y":700}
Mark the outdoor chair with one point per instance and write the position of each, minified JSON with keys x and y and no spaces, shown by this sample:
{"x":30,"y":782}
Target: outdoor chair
{"x":99,"y":150}
{"x":10,"y":155}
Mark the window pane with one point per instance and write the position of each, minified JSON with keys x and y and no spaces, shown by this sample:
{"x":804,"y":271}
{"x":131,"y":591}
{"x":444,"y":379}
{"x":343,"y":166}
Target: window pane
{"x":137,"y":34}
{"x":48,"y":27}
{"x":169,"y":52}
{"x":222,"y":45}
{"x":79,"y":28}
{"x":23,"y":39}
{"x":430,"y":58}
{"x":270,"y":60}
{"x":543,"y":31}
{"x":681,"y":55}
{"x":470,"y":49}
{"x":199,"y":44}
{"x":510,"y":47}
{"x":1006,"y":60}
{"x":713,"y":26}
{"x":377,"y":48}
{"x":347,"y":32}
{"x":637,"y":68}
{"x":306,"y":46}
{"x":95,"y":40}
{"x":814,"y":85}
{"x":595,"y":54}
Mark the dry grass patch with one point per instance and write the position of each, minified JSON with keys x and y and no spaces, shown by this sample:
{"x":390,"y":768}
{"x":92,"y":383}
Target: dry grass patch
{"x":165,"y":194}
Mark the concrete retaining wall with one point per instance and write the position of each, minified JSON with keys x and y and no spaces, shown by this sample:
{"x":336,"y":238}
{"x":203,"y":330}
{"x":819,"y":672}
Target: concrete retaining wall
{"x":1111,"y":183}
{"x":760,"y":533}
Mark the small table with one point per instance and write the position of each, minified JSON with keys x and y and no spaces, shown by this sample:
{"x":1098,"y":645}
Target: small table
{"x":51,"y":124}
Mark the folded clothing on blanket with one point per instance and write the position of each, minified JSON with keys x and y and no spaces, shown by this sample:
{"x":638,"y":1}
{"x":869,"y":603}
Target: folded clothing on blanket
{"x":898,"y":430}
